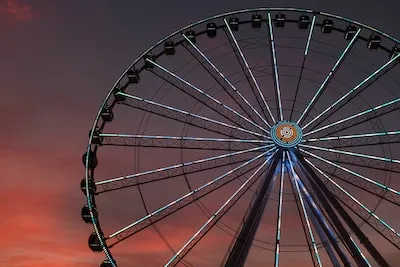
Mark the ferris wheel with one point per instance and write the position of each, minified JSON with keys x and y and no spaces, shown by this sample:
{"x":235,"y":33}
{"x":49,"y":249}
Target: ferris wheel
{"x":258,"y":137}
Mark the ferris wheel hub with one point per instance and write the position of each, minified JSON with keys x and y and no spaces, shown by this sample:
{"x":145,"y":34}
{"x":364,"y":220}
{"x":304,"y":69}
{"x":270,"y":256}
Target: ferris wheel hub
{"x":286,"y":134}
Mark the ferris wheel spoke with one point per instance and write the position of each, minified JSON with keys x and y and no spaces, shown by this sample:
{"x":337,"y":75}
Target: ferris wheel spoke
{"x":295,"y":184}
{"x":380,"y":225}
{"x":388,"y":190}
{"x":179,"y":142}
{"x":205,"y":98}
{"x":275,"y":68}
{"x":237,"y":92}
{"x":183,"y":201}
{"x":180,"y":254}
{"x":302,"y":65}
{"x":328,"y":78}
{"x":355,"y":91}
{"x":280,"y":204}
{"x":364,"y":139}
{"x":247,"y":68}
{"x":351,"y":180}
{"x":353,"y":154}
{"x":184,"y":116}
{"x":360,"y":117}
{"x":178,"y":169}
{"x":369,"y":164}
{"x":361,"y":253}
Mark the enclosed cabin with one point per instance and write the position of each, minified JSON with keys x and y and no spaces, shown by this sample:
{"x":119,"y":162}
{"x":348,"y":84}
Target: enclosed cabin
{"x":211,"y":30}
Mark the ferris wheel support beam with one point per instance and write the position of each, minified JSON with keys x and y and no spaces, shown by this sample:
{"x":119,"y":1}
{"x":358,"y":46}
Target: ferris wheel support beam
{"x":350,"y":179}
{"x":360,"y":213}
{"x":189,"y":245}
{"x":240,"y":250}
{"x":323,"y":192}
{"x":383,"y":226}
{"x":395,"y":193}
{"x":324,"y":239}
{"x":311,"y":240}
{"x":341,"y":231}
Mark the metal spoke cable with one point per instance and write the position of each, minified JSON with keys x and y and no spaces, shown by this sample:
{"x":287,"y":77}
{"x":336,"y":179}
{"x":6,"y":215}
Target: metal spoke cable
{"x":302,"y":65}
{"x":226,"y":80}
{"x":150,"y":103}
{"x":275,"y":68}
{"x":328,"y":78}
{"x":355,"y":89}
{"x":191,"y":195}
{"x":214,"y":218}
{"x":363,"y":113}
{"x":180,"y":165}
{"x":249,"y":70}
{"x":382,"y":186}
{"x":210,"y":97}
{"x":354,"y":199}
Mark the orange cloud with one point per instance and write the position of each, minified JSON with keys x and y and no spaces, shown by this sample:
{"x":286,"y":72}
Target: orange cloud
{"x":20,"y":11}
{"x":36,"y":231}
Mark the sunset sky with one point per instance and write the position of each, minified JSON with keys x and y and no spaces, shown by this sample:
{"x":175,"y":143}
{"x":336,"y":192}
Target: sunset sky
{"x":58,"y":60}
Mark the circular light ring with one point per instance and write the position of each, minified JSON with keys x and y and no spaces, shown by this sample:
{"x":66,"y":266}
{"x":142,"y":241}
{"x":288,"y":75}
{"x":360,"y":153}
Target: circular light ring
{"x":286,"y":134}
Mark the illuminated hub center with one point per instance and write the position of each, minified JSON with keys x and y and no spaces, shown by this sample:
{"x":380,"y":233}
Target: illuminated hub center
{"x":286,"y":134}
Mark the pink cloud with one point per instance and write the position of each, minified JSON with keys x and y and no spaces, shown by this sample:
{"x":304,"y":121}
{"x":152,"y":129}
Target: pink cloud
{"x":19,"y":11}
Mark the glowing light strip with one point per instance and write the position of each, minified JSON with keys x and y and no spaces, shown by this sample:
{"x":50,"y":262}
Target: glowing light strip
{"x":353,"y":173}
{"x":351,"y":153}
{"x":226,"y":80}
{"x":279,"y":222}
{"x":185,"y":138}
{"x":249,"y":70}
{"x":354,"y":89}
{"x":190,"y":114}
{"x":330,"y":75}
{"x":352,"y":136}
{"x":310,"y":232}
{"x":354,"y":116}
{"x":206,"y":95}
{"x":184,"y":164}
{"x":370,"y":212}
{"x":275,"y":64}
{"x":190,"y":194}
{"x":362,"y":254}
{"x":219,"y":213}
{"x":309,"y":35}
